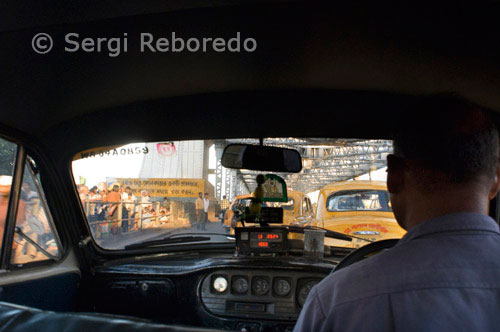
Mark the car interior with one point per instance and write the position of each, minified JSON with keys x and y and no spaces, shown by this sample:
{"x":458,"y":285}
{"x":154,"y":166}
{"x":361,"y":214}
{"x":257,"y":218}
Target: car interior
{"x":323,"y":75}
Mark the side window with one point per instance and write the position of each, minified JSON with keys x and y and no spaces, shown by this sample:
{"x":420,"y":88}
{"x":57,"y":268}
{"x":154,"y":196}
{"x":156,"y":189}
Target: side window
{"x":35,"y":239}
{"x":307,"y":206}
{"x":7,"y":160}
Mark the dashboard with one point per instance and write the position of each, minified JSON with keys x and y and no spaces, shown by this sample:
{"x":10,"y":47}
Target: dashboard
{"x":253,"y":293}
{"x":220,"y":290}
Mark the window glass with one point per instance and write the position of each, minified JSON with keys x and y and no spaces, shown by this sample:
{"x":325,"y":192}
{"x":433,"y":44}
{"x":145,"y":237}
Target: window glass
{"x":34,"y":239}
{"x":359,"y":200}
{"x":7,"y":161}
{"x":144,"y":191}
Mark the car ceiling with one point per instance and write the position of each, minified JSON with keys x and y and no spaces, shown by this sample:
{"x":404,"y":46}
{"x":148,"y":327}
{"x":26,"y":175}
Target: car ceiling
{"x":320,"y":69}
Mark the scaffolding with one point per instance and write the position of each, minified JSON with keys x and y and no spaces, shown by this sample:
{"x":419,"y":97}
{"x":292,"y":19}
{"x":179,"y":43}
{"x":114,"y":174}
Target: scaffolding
{"x":325,"y":160}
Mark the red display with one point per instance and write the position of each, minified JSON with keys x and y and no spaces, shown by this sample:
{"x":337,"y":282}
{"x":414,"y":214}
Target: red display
{"x":265,"y":239}
{"x":261,"y":240}
{"x":268,"y":236}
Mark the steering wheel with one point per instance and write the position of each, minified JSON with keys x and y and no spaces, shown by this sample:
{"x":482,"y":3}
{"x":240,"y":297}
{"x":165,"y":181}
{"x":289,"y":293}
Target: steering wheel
{"x":364,"y":252}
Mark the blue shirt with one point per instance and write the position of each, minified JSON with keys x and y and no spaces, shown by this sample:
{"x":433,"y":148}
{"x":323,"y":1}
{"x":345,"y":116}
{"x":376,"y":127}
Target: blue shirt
{"x":443,"y":275}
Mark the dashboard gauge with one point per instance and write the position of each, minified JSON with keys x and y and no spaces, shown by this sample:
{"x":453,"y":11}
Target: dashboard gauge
{"x":240,"y":285}
{"x":304,"y":291}
{"x":260,"y":286}
{"x":281,"y":287}
{"x":220,"y":284}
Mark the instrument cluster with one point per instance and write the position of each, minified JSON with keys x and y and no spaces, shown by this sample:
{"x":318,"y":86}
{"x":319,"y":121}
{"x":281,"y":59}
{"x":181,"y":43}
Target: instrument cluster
{"x":254,"y":293}
{"x":260,"y":285}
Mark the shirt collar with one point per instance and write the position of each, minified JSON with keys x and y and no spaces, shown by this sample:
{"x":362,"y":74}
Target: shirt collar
{"x":452,"y":222}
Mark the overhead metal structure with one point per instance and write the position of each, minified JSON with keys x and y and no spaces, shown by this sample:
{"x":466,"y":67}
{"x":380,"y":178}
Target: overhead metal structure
{"x":324,"y":160}
{"x":231,"y":180}
{"x":219,"y":149}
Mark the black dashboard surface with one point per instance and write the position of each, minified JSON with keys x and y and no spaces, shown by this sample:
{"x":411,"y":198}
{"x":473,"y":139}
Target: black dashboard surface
{"x":217,"y":290}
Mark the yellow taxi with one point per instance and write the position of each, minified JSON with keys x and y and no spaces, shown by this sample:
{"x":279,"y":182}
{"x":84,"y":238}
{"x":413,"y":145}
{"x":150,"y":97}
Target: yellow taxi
{"x":298,"y":209}
{"x":358,"y":208}
{"x":240,"y":201}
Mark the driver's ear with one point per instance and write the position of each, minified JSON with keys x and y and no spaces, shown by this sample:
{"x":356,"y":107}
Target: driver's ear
{"x":395,"y":174}
{"x":495,"y":186}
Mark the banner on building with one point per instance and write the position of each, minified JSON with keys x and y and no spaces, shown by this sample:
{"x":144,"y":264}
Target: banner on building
{"x":168,"y":187}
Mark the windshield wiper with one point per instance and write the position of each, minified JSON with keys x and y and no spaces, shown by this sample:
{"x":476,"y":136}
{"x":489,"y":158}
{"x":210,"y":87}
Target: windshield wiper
{"x":329,"y":233}
{"x":177,"y":238}
{"x":228,"y":236}
{"x":168,"y":240}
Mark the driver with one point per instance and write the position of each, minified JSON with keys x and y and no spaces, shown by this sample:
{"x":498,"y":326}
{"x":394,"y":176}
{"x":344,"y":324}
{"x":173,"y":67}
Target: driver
{"x":444,"y":274}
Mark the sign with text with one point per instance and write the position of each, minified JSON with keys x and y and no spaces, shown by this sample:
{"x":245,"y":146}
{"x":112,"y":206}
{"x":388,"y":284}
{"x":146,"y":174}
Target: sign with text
{"x":113,"y":151}
{"x":166,"y":187}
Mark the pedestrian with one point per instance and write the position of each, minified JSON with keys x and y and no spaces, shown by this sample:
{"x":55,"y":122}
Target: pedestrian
{"x":125,"y":193}
{"x":113,"y":198}
{"x":145,"y":199}
{"x":143,"y":207}
{"x":94,"y":210}
{"x":206,"y":205}
{"x":146,"y":216}
{"x":5,"y":187}
{"x":163,"y":216}
{"x":199,"y":206}
{"x":83,"y":192}
{"x":129,"y":206}
{"x":103,"y":194}
{"x":166,"y":203}
{"x":224,"y":206}
{"x":32,"y":209}
{"x":127,"y":211}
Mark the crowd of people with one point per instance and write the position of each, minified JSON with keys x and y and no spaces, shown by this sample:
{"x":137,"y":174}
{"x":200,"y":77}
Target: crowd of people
{"x":138,"y":211}
{"x":119,"y":210}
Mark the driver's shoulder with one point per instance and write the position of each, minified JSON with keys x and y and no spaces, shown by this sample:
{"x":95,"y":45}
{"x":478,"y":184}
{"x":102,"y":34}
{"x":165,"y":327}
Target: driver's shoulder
{"x":411,"y":265}
{"x":370,"y":277}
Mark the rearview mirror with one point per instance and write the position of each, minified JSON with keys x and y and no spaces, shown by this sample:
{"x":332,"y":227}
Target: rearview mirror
{"x":261,"y":158}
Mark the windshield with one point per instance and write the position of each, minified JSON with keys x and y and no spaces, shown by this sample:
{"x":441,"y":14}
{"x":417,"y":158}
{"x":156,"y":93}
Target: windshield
{"x":148,"y":191}
{"x":359,"y":200}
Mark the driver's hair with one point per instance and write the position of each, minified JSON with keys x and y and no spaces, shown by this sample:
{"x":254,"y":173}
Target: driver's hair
{"x":447,"y":139}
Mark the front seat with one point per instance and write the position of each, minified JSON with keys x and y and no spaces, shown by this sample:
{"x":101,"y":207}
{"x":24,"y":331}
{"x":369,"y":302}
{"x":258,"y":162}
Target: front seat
{"x":17,"y":318}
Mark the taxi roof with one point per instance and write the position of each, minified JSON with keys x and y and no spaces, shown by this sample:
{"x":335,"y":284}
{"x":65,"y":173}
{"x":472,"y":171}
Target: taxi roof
{"x":357,"y":184}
